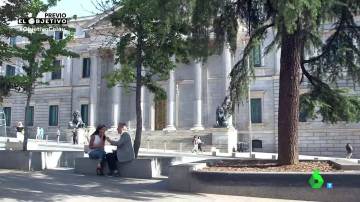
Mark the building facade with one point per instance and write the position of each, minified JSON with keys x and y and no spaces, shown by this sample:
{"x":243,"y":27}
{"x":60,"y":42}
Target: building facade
{"x":194,"y":91}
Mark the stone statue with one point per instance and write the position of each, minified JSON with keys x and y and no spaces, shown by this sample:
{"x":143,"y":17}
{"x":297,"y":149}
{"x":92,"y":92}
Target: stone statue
{"x":220,"y":117}
{"x":77,"y":125}
{"x":76,"y":121}
{"x":223,"y":113}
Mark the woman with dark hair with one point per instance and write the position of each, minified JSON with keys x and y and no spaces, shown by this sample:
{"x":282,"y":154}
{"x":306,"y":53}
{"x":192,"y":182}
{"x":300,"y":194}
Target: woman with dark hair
{"x":96,"y":146}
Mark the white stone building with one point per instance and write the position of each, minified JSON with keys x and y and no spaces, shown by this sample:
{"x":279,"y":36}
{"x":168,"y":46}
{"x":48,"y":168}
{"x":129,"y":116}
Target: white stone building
{"x":194,"y":91}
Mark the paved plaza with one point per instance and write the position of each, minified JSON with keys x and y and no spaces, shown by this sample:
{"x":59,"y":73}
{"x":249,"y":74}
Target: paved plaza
{"x":65,"y":185}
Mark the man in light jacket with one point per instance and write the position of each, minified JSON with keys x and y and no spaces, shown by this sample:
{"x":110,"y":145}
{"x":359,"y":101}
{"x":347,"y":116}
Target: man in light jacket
{"x":124,"y":152}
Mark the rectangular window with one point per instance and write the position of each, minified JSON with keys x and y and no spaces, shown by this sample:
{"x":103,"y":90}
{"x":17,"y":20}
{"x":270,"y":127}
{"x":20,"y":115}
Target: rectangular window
{"x":86,"y":68}
{"x":30,"y":116}
{"x":56,"y":74}
{"x":53,"y":115}
{"x":256,"y":113}
{"x":256,"y":56}
{"x":12,"y":41}
{"x":85,"y":114}
{"x":7,"y":111}
{"x":58,"y":35}
{"x":10,"y":70}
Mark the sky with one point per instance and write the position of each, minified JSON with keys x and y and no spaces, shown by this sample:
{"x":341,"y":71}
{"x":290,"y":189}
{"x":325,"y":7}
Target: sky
{"x":74,"y":7}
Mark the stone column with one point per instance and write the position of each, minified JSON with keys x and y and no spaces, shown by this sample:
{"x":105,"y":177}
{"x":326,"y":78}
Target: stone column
{"x":177,"y":94}
{"x":67,"y":72}
{"x":171,"y":102}
{"x":277,"y":62}
{"x":226,"y":57}
{"x":152,"y":113}
{"x":95,"y":62}
{"x":116,"y":92}
{"x":142,"y":103}
{"x":198,"y":98}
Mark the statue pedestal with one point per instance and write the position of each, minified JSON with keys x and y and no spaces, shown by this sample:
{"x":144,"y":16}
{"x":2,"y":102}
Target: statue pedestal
{"x":224,"y":138}
{"x":81,"y":136}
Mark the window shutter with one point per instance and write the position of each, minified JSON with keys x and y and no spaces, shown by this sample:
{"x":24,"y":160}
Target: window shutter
{"x":256,"y":113}
{"x":85,"y":114}
{"x":53,"y":115}
{"x":7,"y":111}
{"x":257,"y":56}
{"x":30,"y":116}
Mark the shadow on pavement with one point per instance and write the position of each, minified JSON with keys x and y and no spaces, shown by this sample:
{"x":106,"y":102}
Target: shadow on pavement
{"x":53,"y":185}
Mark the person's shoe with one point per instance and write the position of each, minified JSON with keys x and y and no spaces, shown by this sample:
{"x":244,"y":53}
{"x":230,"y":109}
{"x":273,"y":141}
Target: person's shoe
{"x":98,"y":170}
{"x":116,"y":173}
{"x":101,"y":173}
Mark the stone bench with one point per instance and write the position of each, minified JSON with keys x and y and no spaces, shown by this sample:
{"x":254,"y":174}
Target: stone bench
{"x":38,"y":160}
{"x":108,"y":148}
{"x":144,"y":168}
{"x":13,"y":145}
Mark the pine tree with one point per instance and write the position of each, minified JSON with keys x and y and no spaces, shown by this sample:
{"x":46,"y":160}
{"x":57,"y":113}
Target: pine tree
{"x":153,"y":31}
{"x":298,"y":26}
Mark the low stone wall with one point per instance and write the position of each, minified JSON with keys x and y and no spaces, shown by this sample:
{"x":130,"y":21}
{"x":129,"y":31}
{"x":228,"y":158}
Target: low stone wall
{"x":138,"y":168}
{"x":167,"y":161}
{"x":189,"y":178}
{"x":329,"y":142}
{"x":318,"y":142}
{"x":38,"y":160}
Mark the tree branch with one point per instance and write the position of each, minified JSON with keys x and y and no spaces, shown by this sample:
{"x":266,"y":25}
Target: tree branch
{"x":331,"y":40}
{"x":254,"y":36}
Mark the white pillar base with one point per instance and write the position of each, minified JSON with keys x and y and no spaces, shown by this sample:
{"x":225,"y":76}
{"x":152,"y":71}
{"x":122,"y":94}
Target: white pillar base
{"x":113,"y":128}
{"x":197,"y":127}
{"x":224,"y":137}
{"x":169,"y":128}
{"x":91,"y":127}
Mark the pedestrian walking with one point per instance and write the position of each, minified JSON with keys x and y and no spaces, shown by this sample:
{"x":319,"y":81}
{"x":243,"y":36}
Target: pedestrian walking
{"x":195,"y":144}
{"x":58,"y":133}
{"x":349,"y":150}
{"x":41,"y":133}
{"x":37,"y":133}
{"x":199,"y":143}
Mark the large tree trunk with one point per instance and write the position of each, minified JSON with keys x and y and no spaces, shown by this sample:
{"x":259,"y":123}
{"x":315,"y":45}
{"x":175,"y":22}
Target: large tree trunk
{"x":137,"y":140}
{"x":26,"y":129}
{"x":290,"y":65}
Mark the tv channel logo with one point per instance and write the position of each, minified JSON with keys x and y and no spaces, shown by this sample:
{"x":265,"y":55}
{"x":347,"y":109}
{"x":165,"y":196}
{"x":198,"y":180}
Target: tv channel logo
{"x":329,"y":185}
{"x":50,"y":18}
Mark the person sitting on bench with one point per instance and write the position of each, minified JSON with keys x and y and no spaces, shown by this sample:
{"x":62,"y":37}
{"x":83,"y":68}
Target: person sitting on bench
{"x":96,"y":146}
{"x":124,"y":152}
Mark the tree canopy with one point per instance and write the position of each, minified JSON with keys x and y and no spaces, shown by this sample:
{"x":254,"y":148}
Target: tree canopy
{"x":153,"y":32}
{"x":299,"y":27}
{"x":37,"y":56}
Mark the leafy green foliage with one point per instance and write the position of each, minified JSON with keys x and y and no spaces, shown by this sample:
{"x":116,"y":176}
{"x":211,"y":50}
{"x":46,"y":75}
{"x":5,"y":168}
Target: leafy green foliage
{"x":333,"y":105}
{"x":37,"y":55}
{"x":160,"y":25}
{"x":338,"y":56}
